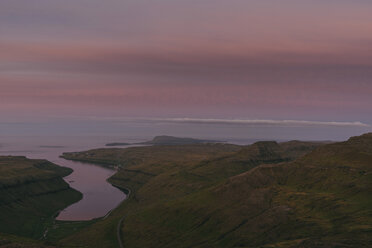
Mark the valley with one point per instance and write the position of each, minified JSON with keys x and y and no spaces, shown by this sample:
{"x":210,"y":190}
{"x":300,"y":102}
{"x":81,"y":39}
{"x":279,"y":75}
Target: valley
{"x":268,"y":194}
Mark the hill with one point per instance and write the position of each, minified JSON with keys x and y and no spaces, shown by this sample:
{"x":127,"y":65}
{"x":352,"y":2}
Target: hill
{"x":170,"y":140}
{"x":168,"y":183}
{"x":165,"y":140}
{"x":268,"y":194}
{"x":118,"y":144}
{"x":31,"y":192}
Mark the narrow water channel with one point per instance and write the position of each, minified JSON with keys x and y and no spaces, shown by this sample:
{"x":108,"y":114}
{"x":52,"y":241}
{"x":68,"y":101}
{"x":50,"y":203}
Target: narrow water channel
{"x":99,"y":196}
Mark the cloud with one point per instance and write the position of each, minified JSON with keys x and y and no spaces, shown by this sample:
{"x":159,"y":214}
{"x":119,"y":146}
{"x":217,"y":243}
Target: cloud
{"x":257,"y":122}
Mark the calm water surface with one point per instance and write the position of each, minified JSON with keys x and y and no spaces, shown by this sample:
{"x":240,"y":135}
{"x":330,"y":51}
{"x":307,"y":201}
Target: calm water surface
{"x":99,"y":197}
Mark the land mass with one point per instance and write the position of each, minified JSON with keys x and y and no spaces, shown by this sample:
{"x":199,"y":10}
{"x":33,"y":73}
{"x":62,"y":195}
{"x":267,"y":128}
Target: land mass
{"x":52,"y":146}
{"x":167,"y":140}
{"x":118,"y":144}
{"x":268,"y":194}
{"x":31,"y":192}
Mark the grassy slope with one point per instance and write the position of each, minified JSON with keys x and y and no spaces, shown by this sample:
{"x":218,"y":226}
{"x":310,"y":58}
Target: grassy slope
{"x":11,"y":241}
{"x":320,"y":200}
{"x":31,"y":192}
{"x":163,"y":179}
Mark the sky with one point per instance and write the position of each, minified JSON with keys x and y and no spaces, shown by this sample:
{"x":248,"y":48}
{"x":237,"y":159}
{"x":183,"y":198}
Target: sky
{"x":171,"y":61}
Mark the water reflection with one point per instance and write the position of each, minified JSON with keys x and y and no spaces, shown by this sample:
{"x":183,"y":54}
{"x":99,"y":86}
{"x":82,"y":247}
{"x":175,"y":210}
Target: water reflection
{"x":99,"y":197}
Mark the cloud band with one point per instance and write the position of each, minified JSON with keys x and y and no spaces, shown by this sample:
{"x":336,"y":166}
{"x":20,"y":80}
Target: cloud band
{"x":257,"y":122}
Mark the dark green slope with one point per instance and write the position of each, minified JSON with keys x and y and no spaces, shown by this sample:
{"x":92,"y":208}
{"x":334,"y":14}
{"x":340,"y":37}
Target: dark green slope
{"x":31,"y":192}
{"x":12,"y":241}
{"x":171,"y":204}
{"x":320,"y":200}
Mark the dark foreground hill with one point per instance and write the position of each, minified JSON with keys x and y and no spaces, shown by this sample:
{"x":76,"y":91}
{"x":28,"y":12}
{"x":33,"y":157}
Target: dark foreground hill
{"x":31,"y":192}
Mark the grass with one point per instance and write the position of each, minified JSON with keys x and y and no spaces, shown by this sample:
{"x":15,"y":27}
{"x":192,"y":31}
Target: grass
{"x":31,"y":192}
{"x":17,"y":170}
{"x":12,"y":241}
{"x":292,"y":194}
{"x":61,"y":229}
{"x":173,"y":202}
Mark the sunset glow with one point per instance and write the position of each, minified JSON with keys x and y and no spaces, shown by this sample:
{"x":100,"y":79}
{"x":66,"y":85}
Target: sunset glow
{"x":307,"y":60}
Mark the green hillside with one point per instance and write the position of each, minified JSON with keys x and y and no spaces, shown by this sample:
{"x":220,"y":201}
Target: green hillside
{"x":31,"y":193}
{"x":174,"y":192}
{"x":12,"y":241}
{"x":269,"y":194}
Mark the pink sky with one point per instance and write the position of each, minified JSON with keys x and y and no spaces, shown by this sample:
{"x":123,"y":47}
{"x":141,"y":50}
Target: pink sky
{"x":305,"y":60}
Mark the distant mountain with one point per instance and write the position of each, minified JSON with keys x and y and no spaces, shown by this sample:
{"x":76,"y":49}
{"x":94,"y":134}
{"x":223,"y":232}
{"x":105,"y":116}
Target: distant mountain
{"x":167,"y":140}
{"x":170,"y":140}
{"x":118,"y":144}
{"x":52,"y":146}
